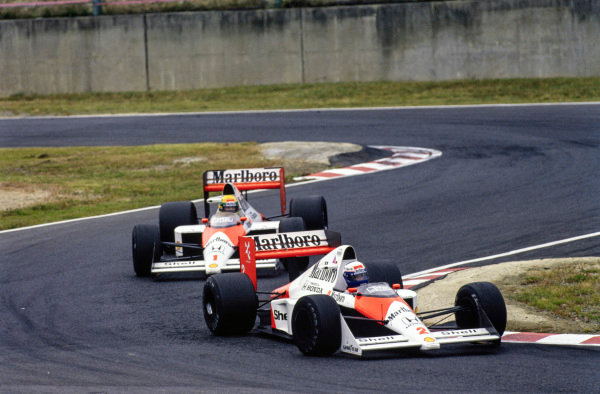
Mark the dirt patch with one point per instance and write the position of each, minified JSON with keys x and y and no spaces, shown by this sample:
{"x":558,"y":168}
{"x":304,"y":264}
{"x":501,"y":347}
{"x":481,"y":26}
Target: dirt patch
{"x":312,"y":152}
{"x":507,"y":276}
{"x":15,"y":198}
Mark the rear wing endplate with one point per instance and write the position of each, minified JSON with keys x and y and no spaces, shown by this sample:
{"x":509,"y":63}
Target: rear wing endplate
{"x":284,"y":245}
{"x":245,"y":179}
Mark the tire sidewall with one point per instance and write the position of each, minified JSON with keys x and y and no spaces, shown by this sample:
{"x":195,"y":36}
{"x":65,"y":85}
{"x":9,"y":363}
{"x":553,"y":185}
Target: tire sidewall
{"x":316,"y":325}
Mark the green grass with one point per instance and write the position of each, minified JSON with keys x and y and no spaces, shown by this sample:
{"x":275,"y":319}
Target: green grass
{"x":570,"y":292}
{"x":85,"y":181}
{"x":294,"y":96}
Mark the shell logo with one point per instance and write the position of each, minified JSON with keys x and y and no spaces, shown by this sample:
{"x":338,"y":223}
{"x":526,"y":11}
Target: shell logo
{"x":213,"y":265}
{"x":429,"y":339}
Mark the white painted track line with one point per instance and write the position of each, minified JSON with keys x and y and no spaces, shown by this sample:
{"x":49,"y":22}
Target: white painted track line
{"x":512,"y":252}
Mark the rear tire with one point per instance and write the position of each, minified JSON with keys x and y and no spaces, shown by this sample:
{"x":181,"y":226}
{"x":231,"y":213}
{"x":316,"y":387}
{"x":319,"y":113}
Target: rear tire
{"x":491,"y":301}
{"x":229,"y":303}
{"x":313,"y":209}
{"x":316,"y":325}
{"x":145,"y":248}
{"x":294,"y":265}
{"x":172,"y":215}
{"x":384,"y":272}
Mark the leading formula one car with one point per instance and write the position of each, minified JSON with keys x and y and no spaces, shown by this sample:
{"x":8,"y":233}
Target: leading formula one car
{"x":322,"y":314}
{"x":182,"y":244}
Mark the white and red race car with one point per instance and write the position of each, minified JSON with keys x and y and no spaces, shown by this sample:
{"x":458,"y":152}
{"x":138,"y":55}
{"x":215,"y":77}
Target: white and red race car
{"x":183,"y":244}
{"x":322,"y":315}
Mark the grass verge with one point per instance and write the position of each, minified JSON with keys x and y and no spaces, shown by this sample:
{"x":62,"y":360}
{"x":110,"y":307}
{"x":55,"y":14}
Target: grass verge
{"x":569,"y":291}
{"x":295,"y":96}
{"x":64,"y":183}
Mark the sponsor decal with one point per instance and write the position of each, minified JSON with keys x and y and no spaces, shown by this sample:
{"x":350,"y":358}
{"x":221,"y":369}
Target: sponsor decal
{"x":213,"y":265}
{"x":285,"y":241}
{"x":375,"y":288}
{"x":409,"y":321}
{"x":222,"y":219}
{"x":243,"y":176}
{"x":454,"y":333}
{"x":397,"y":312}
{"x":350,"y":348}
{"x":325,"y":274}
{"x":429,"y":339}
{"x":338,"y":297}
{"x":373,"y":340}
{"x":248,"y":255}
{"x":219,"y":241}
{"x":279,"y":315}
{"x":312,"y":287}
{"x":169,"y":264}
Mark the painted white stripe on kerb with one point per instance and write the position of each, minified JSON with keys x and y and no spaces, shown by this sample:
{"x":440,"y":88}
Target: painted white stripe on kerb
{"x":565,"y":339}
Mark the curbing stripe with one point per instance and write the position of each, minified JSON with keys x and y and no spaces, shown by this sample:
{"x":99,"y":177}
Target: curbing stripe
{"x":401,"y":156}
{"x":552,"y":339}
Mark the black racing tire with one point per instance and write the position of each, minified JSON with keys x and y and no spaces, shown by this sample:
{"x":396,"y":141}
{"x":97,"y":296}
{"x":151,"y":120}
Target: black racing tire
{"x":174,"y":214}
{"x":313,"y":209}
{"x":294,"y":265}
{"x":316,"y":325}
{"x":384,"y":272}
{"x":229,"y":303}
{"x":491,"y":301}
{"x":145,"y":248}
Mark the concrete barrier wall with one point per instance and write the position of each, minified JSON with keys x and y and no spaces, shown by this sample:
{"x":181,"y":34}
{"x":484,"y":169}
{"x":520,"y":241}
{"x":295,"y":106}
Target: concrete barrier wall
{"x":410,"y":41}
{"x":72,"y":55}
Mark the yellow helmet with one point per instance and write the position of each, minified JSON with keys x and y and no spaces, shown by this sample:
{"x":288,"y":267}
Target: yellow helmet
{"x":229,"y":204}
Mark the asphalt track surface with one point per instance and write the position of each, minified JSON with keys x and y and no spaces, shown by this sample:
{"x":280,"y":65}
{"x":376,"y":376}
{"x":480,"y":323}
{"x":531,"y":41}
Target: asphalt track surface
{"x":74,"y":318}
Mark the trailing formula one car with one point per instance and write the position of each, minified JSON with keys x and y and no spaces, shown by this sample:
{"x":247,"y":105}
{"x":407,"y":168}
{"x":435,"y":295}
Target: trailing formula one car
{"x":182,"y":244}
{"x":342,"y":304}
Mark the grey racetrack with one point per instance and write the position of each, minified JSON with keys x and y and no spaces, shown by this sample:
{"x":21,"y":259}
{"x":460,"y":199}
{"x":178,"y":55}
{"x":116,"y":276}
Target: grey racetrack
{"x":74,"y":318}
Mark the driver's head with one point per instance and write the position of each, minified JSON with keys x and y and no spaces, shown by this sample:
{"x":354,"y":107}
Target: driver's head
{"x":355,"y":274}
{"x":229,"y":204}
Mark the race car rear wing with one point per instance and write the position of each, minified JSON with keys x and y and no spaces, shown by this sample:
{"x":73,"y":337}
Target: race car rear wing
{"x":244,"y":179}
{"x":284,"y":245}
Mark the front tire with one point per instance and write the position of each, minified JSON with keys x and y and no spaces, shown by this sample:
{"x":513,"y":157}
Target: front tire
{"x":490,"y":299}
{"x":145,"y":248}
{"x":172,"y":215}
{"x":313,"y":209}
{"x":316,"y":325}
{"x":229,"y":303}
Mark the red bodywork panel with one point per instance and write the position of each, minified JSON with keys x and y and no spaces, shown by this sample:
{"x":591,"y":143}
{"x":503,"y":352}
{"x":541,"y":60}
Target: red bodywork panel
{"x":233,"y":233}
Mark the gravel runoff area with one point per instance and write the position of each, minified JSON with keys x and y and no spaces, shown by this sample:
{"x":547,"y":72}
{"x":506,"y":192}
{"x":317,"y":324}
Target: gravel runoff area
{"x":508,"y":276}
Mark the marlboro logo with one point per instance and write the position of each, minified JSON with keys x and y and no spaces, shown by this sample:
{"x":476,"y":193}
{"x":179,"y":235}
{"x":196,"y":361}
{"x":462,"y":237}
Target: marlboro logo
{"x":243,"y":176}
{"x":281,"y":241}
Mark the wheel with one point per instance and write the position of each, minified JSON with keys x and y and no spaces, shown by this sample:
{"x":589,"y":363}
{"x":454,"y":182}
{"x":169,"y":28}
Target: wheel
{"x":294,"y":265}
{"x":491,"y":301}
{"x":384,"y":272}
{"x":229,"y":303}
{"x":171,"y":215}
{"x":145,"y":248}
{"x":313,"y":209}
{"x":316,"y":326}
